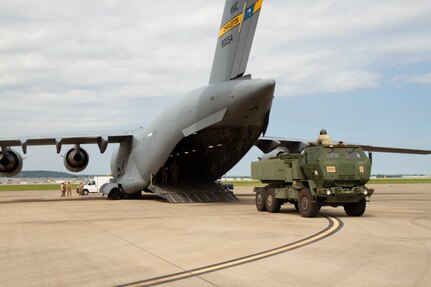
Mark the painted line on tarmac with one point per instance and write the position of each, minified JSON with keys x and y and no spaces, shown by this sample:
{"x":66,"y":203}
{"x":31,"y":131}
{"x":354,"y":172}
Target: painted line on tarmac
{"x":334,"y":225}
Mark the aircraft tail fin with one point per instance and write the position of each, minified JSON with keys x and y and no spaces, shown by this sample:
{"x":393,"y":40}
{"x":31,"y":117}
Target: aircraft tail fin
{"x":235,"y":39}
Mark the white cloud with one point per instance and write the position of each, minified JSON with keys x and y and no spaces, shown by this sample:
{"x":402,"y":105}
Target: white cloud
{"x":422,"y":79}
{"x":335,"y":46}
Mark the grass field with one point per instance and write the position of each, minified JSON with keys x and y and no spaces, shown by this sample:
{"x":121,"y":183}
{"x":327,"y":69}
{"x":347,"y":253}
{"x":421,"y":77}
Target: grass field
{"x":24,"y":187}
{"x":399,"y":180}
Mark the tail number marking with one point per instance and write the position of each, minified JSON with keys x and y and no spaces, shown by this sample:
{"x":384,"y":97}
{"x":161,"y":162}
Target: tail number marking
{"x":227,"y":40}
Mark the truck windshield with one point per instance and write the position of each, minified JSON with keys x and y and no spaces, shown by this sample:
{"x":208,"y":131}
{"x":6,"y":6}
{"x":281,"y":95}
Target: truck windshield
{"x":353,"y":155}
{"x":333,"y":154}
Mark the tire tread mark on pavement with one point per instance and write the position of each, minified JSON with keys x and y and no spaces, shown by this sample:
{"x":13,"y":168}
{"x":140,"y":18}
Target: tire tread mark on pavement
{"x":334,"y":225}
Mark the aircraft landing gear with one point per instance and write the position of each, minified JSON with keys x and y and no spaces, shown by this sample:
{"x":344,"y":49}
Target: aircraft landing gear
{"x":114,"y":194}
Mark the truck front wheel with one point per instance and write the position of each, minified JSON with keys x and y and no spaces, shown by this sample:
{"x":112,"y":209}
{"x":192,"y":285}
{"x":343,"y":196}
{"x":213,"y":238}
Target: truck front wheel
{"x":306,"y":206}
{"x":355,"y":209}
{"x":260,"y":200}
{"x":273,"y":204}
{"x":85,"y":192}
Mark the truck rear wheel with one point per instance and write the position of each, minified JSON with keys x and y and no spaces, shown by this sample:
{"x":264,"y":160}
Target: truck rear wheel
{"x":306,"y":206}
{"x":355,"y":209}
{"x":260,"y":200}
{"x":273,"y":204}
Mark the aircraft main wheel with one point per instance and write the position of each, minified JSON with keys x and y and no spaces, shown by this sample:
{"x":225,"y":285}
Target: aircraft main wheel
{"x":306,"y":206}
{"x":260,"y":200}
{"x":114,"y":194}
{"x":85,"y":192}
{"x":273,"y":204}
{"x":355,"y":209}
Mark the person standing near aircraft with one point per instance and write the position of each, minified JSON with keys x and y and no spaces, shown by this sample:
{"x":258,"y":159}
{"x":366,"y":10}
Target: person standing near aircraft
{"x":165,"y":170}
{"x":63,"y":189}
{"x":69,"y":189}
{"x":324,"y":139}
{"x":81,"y":188}
{"x":175,"y":168}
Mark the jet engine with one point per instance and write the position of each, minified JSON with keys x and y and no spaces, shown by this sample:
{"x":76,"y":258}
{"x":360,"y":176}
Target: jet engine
{"x":76,"y":159}
{"x":10,"y":163}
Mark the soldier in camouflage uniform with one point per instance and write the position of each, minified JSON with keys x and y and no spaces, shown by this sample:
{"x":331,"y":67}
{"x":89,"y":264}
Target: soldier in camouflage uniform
{"x":324,"y":139}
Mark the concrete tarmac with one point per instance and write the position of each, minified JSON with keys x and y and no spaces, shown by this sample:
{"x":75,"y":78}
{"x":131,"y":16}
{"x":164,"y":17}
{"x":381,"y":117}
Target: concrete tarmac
{"x":46,"y":240}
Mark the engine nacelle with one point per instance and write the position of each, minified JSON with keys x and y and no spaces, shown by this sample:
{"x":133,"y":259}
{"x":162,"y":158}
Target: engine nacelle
{"x":10,"y":163}
{"x":76,"y":159}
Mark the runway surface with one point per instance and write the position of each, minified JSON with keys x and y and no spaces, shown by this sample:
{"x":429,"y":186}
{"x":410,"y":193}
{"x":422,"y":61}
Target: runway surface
{"x":46,"y":240}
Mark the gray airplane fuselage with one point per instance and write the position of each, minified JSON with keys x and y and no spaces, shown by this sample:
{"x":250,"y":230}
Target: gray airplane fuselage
{"x":206,"y":132}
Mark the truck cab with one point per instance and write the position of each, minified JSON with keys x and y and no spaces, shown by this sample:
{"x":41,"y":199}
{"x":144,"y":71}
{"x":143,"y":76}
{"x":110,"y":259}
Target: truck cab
{"x":336,"y":166}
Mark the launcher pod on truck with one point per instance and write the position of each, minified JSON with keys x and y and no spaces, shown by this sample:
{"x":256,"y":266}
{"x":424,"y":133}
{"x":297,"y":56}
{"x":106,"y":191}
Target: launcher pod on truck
{"x":319,"y":175}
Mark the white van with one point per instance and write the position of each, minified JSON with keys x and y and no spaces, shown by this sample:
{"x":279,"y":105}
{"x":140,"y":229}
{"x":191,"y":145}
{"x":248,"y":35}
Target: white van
{"x":92,"y":186}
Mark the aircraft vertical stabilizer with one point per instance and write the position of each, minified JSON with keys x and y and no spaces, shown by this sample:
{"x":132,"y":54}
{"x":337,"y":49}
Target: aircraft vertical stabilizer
{"x":235,"y":39}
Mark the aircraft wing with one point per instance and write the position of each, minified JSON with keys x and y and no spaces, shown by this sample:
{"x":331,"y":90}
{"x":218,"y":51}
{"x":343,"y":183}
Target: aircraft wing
{"x":101,"y":141}
{"x":268,"y":144}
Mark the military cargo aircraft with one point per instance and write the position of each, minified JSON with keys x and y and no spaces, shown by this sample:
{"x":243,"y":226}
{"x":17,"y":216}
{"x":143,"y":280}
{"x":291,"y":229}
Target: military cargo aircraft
{"x":202,"y":134}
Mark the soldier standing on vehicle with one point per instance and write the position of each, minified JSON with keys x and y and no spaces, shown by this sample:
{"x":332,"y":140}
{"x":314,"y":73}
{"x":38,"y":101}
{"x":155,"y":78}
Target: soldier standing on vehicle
{"x":324,"y":139}
{"x":69,"y":189}
{"x":63,"y":189}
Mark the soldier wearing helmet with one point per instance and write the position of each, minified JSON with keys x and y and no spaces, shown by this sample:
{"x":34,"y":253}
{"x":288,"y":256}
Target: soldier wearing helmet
{"x":324,"y":139}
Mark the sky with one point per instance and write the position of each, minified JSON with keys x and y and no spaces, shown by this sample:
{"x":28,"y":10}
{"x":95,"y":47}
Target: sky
{"x":359,"y":69}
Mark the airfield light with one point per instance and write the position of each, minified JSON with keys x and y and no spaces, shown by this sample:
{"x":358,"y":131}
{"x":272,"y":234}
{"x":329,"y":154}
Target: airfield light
{"x":194,"y":150}
{"x":210,"y":146}
{"x":186,"y":152}
{"x":219,"y":145}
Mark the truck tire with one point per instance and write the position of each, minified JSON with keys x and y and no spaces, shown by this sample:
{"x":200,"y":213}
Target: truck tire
{"x":260,"y":200}
{"x":306,"y":206}
{"x":273,"y":204}
{"x":355,"y":209}
{"x":85,"y":192}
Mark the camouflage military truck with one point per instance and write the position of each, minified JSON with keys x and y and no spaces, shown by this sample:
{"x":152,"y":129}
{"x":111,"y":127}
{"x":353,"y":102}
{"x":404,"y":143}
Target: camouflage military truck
{"x":318,"y":176}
